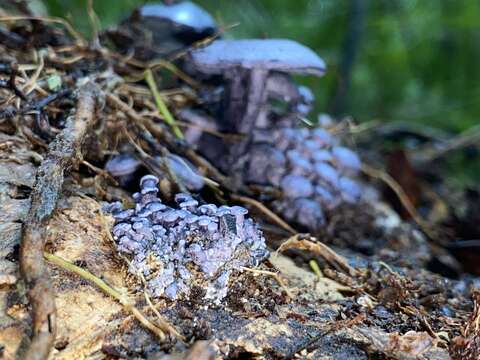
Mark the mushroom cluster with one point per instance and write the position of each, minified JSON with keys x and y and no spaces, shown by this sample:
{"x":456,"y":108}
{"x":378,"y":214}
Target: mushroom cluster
{"x":310,"y":167}
{"x":313,"y":171}
{"x":186,"y":249}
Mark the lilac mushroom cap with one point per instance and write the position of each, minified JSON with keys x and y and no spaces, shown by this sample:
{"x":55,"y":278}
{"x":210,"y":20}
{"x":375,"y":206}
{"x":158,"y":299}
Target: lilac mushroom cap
{"x":186,"y":14}
{"x":346,"y":158}
{"x":121,"y":165}
{"x":186,"y":172}
{"x":295,"y":186}
{"x":281,"y":55}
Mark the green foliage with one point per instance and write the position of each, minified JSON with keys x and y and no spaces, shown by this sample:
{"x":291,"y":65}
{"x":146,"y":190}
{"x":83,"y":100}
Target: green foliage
{"x":417,"y":60}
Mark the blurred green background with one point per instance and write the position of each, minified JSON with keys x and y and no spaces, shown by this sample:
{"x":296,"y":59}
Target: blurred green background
{"x":406,"y":60}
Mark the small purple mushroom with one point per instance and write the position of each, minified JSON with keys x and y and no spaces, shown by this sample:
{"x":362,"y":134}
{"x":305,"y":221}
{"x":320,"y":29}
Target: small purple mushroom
{"x":185,"y":172}
{"x":309,"y":213}
{"x":327,"y":173}
{"x":246,"y":65}
{"x":296,"y":186}
{"x":122,"y":165}
{"x":346,"y":158}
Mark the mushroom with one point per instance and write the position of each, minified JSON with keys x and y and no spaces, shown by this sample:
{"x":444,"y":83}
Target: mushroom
{"x":159,"y":29}
{"x":183,"y":17}
{"x":246,"y":66}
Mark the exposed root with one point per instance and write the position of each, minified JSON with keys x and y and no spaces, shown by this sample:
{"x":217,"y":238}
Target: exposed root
{"x":64,"y":152}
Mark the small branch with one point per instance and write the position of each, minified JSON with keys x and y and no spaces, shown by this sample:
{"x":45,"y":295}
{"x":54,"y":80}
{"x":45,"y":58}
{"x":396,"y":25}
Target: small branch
{"x":398,"y":190}
{"x":269,"y":213}
{"x":64,"y":152}
{"x":55,"y":20}
{"x":316,"y":247}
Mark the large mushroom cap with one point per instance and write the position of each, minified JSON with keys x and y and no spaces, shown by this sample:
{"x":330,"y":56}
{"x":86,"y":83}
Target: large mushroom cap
{"x":185,"y":14}
{"x":271,"y":54}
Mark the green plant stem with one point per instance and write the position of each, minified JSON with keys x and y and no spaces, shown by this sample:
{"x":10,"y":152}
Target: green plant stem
{"x":162,"y":107}
{"x":107,"y":289}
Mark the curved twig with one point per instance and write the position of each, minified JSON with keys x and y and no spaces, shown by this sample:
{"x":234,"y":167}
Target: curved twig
{"x":64,"y":152}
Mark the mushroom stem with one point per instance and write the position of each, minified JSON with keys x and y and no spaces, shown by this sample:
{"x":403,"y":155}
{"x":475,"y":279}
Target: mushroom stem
{"x":245,"y":98}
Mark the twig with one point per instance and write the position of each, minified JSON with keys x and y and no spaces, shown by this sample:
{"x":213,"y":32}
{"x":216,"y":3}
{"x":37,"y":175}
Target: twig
{"x":269,"y":213}
{"x":273,"y":275}
{"x":100,"y":172}
{"x":107,"y":289}
{"x":11,"y":84}
{"x":162,"y":108}
{"x":64,"y":152}
{"x":32,"y":82}
{"x":462,"y":140}
{"x":398,"y":190}
{"x":313,"y":245}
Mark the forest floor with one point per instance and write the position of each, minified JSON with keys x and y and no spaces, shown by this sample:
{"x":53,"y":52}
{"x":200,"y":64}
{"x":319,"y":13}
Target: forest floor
{"x":381,"y":281}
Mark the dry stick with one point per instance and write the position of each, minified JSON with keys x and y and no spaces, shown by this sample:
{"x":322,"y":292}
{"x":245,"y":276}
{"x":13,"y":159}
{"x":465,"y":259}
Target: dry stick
{"x":274,"y":217}
{"x":274,"y":275}
{"x":314,"y":246}
{"x":464,"y":139}
{"x":64,"y":152}
{"x":398,"y":190}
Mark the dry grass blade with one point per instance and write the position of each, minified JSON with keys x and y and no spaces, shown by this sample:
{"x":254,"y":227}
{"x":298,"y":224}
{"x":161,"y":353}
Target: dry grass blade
{"x":273,"y":275}
{"x":107,"y":289}
{"x":397,"y":189}
{"x":269,"y":213}
{"x":320,"y":249}
{"x":466,"y":346}
{"x":55,"y":20}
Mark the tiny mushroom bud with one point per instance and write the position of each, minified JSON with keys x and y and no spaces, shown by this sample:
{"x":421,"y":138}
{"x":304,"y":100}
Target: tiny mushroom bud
{"x":266,"y":163}
{"x":148,"y":181}
{"x":309,"y":213}
{"x":323,"y":137}
{"x":327,"y":173}
{"x":122,"y":165}
{"x":351,"y":190}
